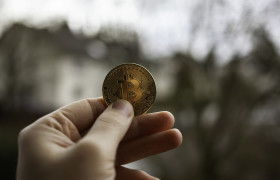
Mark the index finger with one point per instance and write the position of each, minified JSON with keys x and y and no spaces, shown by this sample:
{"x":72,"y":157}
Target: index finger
{"x":83,"y":113}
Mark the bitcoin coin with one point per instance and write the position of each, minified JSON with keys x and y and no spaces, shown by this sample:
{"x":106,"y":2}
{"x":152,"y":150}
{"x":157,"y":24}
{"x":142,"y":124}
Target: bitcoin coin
{"x":133,"y":83}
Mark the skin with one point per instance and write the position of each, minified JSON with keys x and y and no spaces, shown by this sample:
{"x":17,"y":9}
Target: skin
{"x":87,"y":140}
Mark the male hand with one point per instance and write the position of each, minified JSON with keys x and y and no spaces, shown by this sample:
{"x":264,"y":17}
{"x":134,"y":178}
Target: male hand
{"x":88,"y":141}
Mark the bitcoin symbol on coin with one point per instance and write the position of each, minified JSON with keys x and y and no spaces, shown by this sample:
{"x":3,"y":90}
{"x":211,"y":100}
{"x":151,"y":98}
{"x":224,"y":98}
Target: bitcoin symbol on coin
{"x":130,"y":87}
{"x":133,"y":83}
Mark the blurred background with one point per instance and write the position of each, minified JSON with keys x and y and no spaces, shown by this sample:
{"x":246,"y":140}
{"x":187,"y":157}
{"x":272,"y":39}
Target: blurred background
{"x":216,"y":65}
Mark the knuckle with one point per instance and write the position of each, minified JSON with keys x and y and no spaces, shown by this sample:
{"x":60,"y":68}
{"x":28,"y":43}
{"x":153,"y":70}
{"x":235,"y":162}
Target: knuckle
{"x":61,"y":122}
{"x":175,"y":138}
{"x":66,"y":113}
{"x":23,"y":136}
{"x":169,"y":117}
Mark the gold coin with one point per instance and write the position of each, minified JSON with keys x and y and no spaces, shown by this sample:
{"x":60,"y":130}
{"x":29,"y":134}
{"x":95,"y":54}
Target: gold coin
{"x":133,"y":83}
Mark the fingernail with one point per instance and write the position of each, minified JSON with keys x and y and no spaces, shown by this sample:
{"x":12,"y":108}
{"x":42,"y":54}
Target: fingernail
{"x":124,"y":107}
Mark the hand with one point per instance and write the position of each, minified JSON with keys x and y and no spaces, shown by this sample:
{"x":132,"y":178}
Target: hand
{"x":88,"y":141}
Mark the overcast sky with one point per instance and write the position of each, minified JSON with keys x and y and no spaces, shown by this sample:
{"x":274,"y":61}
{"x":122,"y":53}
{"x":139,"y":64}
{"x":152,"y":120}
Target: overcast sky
{"x":164,"y":26}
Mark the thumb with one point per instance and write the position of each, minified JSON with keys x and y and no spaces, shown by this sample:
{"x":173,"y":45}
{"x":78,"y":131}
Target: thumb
{"x":111,"y":126}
